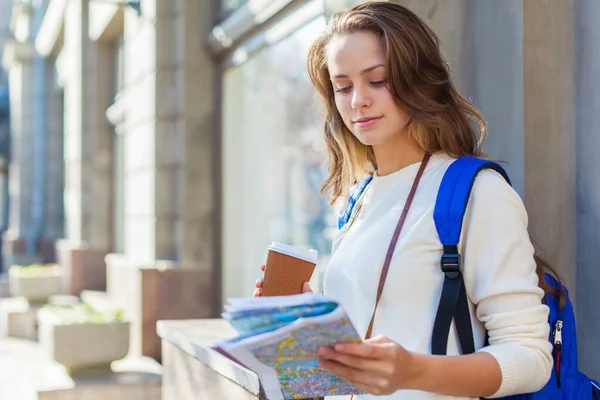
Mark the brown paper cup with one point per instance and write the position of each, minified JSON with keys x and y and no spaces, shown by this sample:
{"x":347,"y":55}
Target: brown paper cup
{"x":287,"y":268}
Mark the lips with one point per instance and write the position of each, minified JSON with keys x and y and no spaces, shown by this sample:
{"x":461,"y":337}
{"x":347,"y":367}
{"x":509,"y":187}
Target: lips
{"x":366,"y":122}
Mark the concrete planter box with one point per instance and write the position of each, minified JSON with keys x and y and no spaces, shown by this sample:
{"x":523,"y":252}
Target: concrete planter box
{"x":18,"y":318}
{"x":80,"y":346}
{"x":160,"y":291}
{"x":4,"y":286}
{"x":38,"y":286}
{"x":83,"y":267}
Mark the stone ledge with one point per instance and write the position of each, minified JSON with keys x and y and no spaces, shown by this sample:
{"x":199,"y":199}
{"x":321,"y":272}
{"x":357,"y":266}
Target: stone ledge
{"x":195,"y":337}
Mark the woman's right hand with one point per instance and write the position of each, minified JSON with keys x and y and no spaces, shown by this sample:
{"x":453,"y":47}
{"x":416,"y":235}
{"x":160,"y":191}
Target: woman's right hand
{"x":259,"y":282}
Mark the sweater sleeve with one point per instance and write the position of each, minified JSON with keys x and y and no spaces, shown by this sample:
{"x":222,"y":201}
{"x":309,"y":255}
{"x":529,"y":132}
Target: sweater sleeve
{"x":500,"y":279}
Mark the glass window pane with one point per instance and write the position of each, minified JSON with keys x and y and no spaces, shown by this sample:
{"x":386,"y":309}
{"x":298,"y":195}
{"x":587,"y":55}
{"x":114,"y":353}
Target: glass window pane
{"x":274,"y":160}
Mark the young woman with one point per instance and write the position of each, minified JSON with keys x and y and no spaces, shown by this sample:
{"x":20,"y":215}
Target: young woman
{"x":390,"y":108}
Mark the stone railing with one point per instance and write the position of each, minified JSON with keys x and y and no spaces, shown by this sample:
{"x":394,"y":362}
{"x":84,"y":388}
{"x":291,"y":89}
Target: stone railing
{"x":192,"y":370}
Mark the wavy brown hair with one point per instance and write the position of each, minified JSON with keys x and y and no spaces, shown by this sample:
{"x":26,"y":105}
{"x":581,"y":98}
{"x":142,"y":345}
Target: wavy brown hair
{"x":441,"y":120}
{"x":418,"y":78}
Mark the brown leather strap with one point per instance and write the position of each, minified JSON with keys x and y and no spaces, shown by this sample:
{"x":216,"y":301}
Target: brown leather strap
{"x":392,"y":247}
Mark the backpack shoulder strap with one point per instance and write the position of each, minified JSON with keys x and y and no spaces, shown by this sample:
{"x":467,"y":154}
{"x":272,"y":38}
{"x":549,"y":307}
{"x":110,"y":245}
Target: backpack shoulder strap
{"x":355,"y":193}
{"x":448,"y":214}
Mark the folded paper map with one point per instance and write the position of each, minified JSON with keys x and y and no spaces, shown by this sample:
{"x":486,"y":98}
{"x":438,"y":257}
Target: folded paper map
{"x":279,"y":338}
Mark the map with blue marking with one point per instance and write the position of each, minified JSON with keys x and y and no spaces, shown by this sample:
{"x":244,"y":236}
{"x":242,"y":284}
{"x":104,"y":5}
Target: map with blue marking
{"x":296,"y":362}
{"x":279,"y":339}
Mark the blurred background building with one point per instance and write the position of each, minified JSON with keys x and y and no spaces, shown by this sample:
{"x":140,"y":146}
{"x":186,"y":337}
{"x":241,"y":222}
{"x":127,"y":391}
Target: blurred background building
{"x":5,"y":13}
{"x":161,"y":145}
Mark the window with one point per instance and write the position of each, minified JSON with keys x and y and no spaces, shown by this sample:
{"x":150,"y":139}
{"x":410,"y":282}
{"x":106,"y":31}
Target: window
{"x":274,"y":160}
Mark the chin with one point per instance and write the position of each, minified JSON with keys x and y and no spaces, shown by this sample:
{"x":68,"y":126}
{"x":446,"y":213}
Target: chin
{"x":371,"y":138}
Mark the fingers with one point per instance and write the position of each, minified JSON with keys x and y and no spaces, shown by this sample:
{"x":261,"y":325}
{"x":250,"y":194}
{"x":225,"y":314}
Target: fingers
{"x":378,"y":339}
{"x":368,"y":382}
{"x":352,"y":362}
{"x":306,"y":288}
{"x":258,"y":284}
{"x":365,"y":350}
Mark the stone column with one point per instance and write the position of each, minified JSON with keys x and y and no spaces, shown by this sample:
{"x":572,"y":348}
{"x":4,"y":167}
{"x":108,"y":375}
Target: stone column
{"x":199,"y":107}
{"x":20,"y":171}
{"x":100,"y":145}
{"x":36,"y":216}
{"x":87,"y":236}
{"x":549,"y":121}
{"x":496,"y":87}
{"x":168,"y":113}
{"x":587,"y":53}
{"x":450,"y":22}
{"x":27,"y":103}
{"x":54,"y":169}
{"x":75,"y":121}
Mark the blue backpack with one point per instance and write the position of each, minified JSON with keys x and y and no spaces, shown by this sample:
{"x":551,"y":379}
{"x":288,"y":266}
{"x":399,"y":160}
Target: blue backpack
{"x":566,"y":382}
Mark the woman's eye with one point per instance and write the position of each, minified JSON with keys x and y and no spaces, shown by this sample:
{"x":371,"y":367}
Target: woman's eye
{"x":343,"y":89}
{"x":378,"y":83}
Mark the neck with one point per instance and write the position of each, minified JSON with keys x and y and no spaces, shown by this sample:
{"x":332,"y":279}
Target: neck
{"x":396,"y":154}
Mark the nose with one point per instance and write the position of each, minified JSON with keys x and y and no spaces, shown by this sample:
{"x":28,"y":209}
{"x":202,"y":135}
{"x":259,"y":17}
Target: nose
{"x":360,"y":99}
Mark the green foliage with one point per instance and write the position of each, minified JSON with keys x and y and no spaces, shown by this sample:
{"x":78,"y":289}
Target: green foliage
{"x":33,"y":270}
{"x":82,"y":314}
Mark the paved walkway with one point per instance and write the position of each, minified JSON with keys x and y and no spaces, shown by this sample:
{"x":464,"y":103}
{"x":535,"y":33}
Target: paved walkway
{"x":21,"y":363}
{"x":25,"y":368}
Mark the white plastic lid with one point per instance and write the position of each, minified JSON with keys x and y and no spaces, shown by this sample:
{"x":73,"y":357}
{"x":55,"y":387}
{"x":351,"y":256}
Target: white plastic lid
{"x":307,"y":255}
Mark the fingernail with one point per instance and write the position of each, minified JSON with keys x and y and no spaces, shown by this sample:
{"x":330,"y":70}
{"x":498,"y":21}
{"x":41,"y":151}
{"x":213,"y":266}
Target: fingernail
{"x":340,"y":347}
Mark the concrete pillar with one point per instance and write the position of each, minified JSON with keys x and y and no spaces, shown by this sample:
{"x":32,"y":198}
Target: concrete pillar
{"x":20,"y":175}
{"x":549,"y":121}
{"x":87,"y":154}
{"x":199,"y":81}
{"x":450,"y":21}
{"x":36,"y":188}
{"x":27,"y":90}
{"x":166,"y":124}
{"x":87,"y":139}
{"x":139,"y":131}
{"x":54,"y":168}
{"x":167,"y":135}
{"x":77,"y":162}
{"x":98,"y":197}
{"x":587,"y":55}
{"x":496,"y":81}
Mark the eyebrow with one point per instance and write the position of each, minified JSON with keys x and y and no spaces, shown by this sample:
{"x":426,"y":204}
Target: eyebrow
{"x":364,"y":71}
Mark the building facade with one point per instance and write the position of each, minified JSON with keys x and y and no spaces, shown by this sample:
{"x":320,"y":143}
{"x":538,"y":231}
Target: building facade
{"x":185,"y":135}
{"x":5,"y":14}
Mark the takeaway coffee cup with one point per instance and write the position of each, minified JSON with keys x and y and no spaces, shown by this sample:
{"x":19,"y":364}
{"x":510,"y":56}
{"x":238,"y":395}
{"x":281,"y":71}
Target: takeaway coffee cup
{"x":287,"y":268}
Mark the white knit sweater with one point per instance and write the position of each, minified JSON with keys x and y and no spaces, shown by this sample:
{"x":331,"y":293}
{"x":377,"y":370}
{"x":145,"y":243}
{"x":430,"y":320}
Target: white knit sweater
{"x":499,"y":273}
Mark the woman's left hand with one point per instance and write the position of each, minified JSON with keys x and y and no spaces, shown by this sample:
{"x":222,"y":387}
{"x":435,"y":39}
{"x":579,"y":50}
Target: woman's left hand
{"x":378,"y":366}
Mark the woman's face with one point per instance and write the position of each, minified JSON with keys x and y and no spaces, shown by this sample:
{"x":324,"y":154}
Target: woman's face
{"x":356,"y":67}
